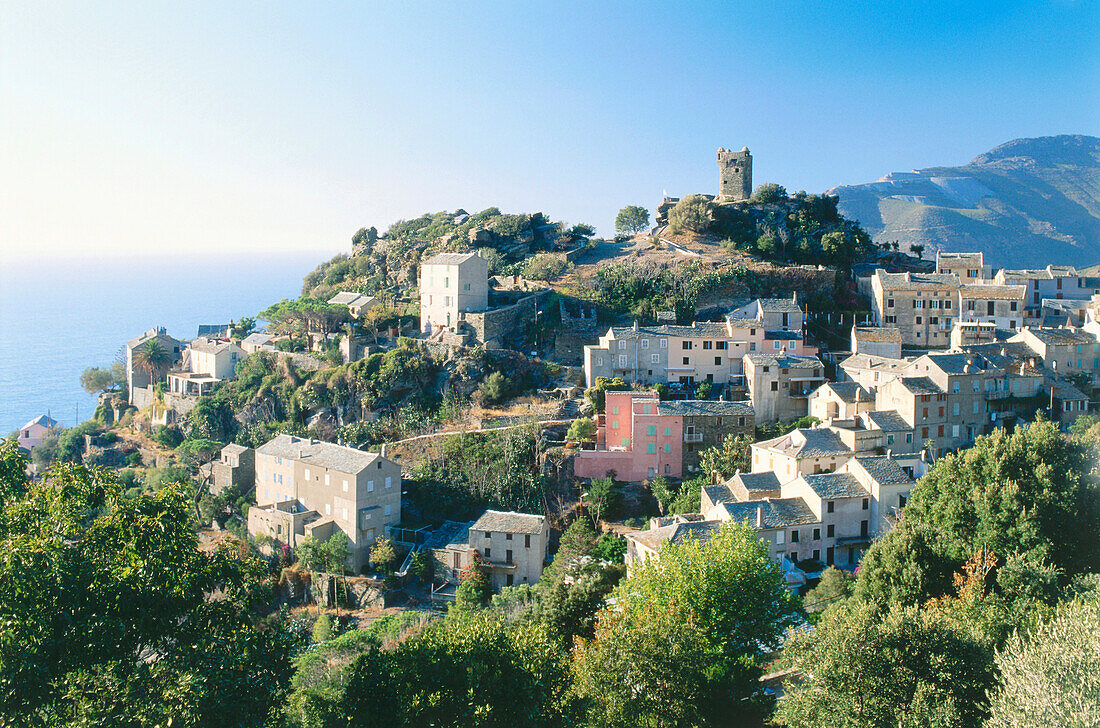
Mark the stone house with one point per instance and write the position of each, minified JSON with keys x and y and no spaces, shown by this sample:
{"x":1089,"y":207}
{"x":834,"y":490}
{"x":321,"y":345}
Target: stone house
{"x":1002,"y":306}
{"x":236,"y":467}
{"x":778,"y":314}
{"x":451,"y":283}
{"x":320,"y":488}
{"x":804,"y":451}
{"x":779,"y":385}
{"x":969,"y":267}
{"x":869,"y":371}
{"x":1054,"y":281}
{"x":921,"y":306}
{"x":139,"y":383}
{"x":1063,"y":351}
{"x":882,"y":341}
{"x":973,"y":333}
{"x":357,"y":303}
{"x":206,"y":362}
{"x":705,"y":424}
{"x":257,"y":341}
{"x":840,"y":401}
{"x":513,"y":545}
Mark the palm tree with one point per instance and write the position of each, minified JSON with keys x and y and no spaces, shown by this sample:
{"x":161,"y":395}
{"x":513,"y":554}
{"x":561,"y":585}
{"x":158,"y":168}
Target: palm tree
{"x":151,"y":357}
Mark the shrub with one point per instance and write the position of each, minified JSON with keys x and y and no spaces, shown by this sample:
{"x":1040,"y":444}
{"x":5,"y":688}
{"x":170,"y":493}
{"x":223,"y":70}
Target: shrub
{"x":582,"y":428}
{"x":323,"y":629}
{"x":691,"y":213}
{"x":545,"y":267}
{"x":769,"y":192}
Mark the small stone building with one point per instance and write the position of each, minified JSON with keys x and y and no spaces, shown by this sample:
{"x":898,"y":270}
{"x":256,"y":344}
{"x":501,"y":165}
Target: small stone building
{"x":236,"y":467}
{"x":514,"y":546}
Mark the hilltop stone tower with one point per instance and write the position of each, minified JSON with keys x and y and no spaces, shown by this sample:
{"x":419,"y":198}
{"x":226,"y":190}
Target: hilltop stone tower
{"x":734,"y":174}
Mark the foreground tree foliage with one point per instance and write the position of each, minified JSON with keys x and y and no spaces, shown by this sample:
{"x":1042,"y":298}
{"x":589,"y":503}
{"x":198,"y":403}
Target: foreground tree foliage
{"x":684,"y":642}
{"x":469,"y":670}
{"x":1051,"y":676}
{"x":111,"y":615}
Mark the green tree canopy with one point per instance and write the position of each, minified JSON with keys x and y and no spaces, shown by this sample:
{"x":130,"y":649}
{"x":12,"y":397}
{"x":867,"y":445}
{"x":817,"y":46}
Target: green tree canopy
{"x":632,"y":219}
{"x":769,"y":192}
{"x":546,"y":267}
{"x":733,"y":455}
{"x":687,"y":634}
{"x":101,"y":379}
{"x":692,"y":213}
{"x":108,"y":613}
{"x":582,"y":428}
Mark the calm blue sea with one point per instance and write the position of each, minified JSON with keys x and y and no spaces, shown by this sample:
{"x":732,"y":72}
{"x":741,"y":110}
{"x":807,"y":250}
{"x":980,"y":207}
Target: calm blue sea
{"x":57,"y":319}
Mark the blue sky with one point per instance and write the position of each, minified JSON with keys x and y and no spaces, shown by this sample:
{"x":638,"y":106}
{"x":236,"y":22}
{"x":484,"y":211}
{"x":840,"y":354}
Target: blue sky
{"x":206,"y":127}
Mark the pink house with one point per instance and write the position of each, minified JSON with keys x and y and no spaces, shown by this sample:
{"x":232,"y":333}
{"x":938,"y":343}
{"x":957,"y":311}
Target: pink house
{"x":634,"y":441}
{"x":31,"y":434}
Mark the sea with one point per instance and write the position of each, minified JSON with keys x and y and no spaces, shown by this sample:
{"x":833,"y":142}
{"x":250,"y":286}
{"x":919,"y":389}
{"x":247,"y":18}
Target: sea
{"x":58,"y":318}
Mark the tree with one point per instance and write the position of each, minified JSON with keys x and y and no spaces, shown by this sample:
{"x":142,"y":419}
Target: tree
{"x":1050,"y":676}
{"x":496,"y":388}
{"x":473,"y":589}
{"x":917,"y":250}
{"x":732,"y":456}
{"x":767,"y":245}
{"x":468,"y":670}
{"x":632,"y":219}
{"x":107,"y":610}
{"x":704,"y":390}
{"x":691,"y":213}
{"x":602,"y":498}
{"x":907,"y":667}
{"x":383,"y":555}
{"x":582,"y":428}
{"x":835,"y":585}
{"x":662,"y":491}
{"x":545,"y":267}
{"x":323,"y":628}
{"x":102,"y":379}
{"x":305,"y":316}
{"x":769,"y":192}
{"x":687,"y":634}
{"x":595,"y":393}
{"x":329,"y":555}
{"x":152,"y":357}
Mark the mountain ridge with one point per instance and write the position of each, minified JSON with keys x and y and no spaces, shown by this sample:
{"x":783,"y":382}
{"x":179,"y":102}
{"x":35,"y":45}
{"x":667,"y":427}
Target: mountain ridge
{"x":1025,"y":203}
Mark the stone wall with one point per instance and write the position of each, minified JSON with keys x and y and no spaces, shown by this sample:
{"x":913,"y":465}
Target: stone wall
{"x":498,"y":327}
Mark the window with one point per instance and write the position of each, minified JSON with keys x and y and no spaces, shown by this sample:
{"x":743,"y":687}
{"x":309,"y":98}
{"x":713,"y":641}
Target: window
{"x":891,"y":319}
{"x":507,"y":537}
{"x":829,"y":508}
{"x":779,"y":537}
{"x":614,"y":424}
{"x":866,"y":504}
{"x":328,"y":509}
{"x":651,"y":448}
{"x":955,"y":409}
{"x":488,"y":553}
{"x":527,"y":541}
{"x":685,"y":345}
{"x":668,"y":447}
{"x":622,"y":360}
{"x":909,"y":437}
{"x":775,"y":386}
{"x":370,"y":486}
{"x":794,"y":536}
{"x":465,"y":286}
{"x":889,"y":439}
{"x":307,"y":473}
{"x":626,"y":442}
{"x":664,"y":343}
{"x":924,"y":433}
{"x":777,"y":345}
{"x":668,"y":432}
{"x":975,"y":408}
{"x":817,"y":534}
{"x":327,"y":479}
{"x":654,"y":358}
{"x":508,"y":556}
{"x":615,"y":410}
{"x":707,"y":345}
{"x":387,"y":510}
{"x":830,"y":531}
{"x":720,"y":345}
{"x":686,"y":360}
{"x":817,"y":554}
{"x":344,"y":513}
{"x":918,"y":319}
{"x":1012,"y":306}
{"x":647,"y":409}
{"x":889,"y":303}
{"x":651,"y":430}
{"x":389,"y":481}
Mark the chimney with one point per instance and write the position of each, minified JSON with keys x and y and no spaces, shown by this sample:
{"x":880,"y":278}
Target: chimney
{"x":759,"y":515}
{"x":635,"y":324}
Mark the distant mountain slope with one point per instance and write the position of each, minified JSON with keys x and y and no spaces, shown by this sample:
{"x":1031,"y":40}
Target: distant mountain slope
{"x":1025,"y":203}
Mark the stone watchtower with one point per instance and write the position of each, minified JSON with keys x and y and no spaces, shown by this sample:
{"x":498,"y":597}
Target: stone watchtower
{"x":734,"y":174}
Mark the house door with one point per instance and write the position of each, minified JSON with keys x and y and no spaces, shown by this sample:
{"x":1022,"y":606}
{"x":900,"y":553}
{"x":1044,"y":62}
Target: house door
{"x":829,"y":556}
{"x":652,"y":472}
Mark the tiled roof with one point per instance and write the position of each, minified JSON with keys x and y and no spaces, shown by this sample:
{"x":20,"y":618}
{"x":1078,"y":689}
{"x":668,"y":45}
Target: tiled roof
{"x":847,"y":391}
{"x":677,"y":533}
{"x":233,"y":449}
{"x":954,"y":363}
{"x":772,"y":513}
{"x":807,"y":442}
{"x":992,"y":291}
{"x":449,"y":258}
{"x":888,"y":421}
{"x":835,"y":485}
{"x":705,"y":407}
{"x":1067,"y":304}
{"x":916,"y":281}
{"x":718,"y":493}
{"x":971,"y":257}
{"x":42,"y":420}
{"x":451,"y":534}
{"x":921,"y":385}
{"x":739,"y":322}
{"x":779,"y":305}
{"x":794,"y":361}
{"x":1061,"y":336}
{"x":766,"y":481}
{"x":698,"y":328}
{"x":509,"y":522}
{"x":782,"y":336}
{"x":883,"y":469}
{"x":211,"y":330}
{"x":323,"y":454}
{"x":884,"y":334}
{"x":871,"y":361}
{"x":210,"y":346}
{"x":258,"y":338}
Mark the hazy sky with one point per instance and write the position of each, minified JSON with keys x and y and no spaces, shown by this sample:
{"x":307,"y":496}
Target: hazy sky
{"x":199,"y":127}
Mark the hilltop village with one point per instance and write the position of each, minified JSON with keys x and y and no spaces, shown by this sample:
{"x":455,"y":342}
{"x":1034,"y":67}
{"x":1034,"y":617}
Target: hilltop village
{"x":450,"y":404}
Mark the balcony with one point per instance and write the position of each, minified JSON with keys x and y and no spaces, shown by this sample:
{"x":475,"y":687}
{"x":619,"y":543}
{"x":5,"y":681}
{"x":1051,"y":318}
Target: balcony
{"x":693,"y":437}
{"x":998,"y":394}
